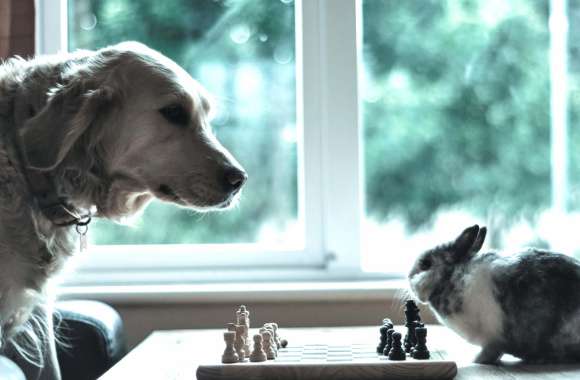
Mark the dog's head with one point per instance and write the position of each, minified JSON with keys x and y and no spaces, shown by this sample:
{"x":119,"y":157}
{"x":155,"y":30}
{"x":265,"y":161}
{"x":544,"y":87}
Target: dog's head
{"x":127,"y":124}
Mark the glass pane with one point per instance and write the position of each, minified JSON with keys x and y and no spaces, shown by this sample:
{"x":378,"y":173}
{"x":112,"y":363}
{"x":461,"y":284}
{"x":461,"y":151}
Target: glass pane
{"x":243,"y":52}
{"x":457,"y":127}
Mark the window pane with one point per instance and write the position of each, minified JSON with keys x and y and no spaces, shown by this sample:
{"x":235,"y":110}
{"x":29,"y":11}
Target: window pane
{"x":457,"y":127}
{"x":243,"y":52}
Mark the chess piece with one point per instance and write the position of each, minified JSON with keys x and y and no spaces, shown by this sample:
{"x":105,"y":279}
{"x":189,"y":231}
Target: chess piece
{"x":412,"y":306}
{"x":389,"y":344}
{"x":231,"y":326}
{"x":387,"y":321}
{"x":383,"y":339}
{"x":412,"y":318}
{"x":275,"y":338}
{"x":283,"y":343}
{"x":420,"y":351}
{"x":230,"y":355}
{"x":240,"y":342}
{"x":269,"y":327}
{"x":397,"y":352}
{"x":246,"y":344}
{"x":243,"y":318}
{"x":268,"y":345}
{"x":258,"y":354}
{"x":410,"y":339}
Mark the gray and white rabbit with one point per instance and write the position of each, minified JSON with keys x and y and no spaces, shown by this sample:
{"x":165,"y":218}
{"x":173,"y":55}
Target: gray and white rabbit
{"x":527,"y":304}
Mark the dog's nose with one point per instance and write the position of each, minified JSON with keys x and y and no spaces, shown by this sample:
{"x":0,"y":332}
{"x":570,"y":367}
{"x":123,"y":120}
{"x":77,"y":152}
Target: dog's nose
{"x":234,"y":179}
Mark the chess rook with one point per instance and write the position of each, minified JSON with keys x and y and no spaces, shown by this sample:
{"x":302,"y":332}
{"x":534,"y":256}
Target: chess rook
{"x":230,"y":355}
{"x":420,"y":351}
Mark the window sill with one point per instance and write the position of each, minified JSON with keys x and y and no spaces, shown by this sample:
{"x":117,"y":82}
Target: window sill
{"x":240,"y":292}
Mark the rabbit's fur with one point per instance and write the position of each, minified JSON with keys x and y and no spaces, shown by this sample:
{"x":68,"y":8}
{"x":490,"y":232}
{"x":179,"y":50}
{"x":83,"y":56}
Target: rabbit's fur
{"x":526,"y":304}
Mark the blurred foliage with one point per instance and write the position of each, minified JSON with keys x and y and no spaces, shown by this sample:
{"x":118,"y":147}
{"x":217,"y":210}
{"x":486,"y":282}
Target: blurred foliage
{"x":456,"y":104}
{"x":457,"y":108}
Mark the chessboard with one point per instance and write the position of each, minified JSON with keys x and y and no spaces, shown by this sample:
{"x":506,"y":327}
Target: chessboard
{"x":326,"y":355}
{"x":332,"y":361}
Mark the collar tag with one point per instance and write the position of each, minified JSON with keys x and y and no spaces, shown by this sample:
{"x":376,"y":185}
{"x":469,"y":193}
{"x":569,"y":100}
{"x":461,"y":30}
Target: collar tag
{"x":82,"y":227}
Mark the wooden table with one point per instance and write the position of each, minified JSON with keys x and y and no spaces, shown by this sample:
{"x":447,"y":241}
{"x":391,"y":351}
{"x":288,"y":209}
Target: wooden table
{"x":173,"y":355}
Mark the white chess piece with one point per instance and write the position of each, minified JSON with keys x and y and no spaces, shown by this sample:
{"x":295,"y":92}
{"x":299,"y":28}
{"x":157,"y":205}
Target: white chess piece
{"x":276,"y":336}
{"x":258,"y":355}
{"x":268,"y":345}
{"x":240,"y":342}
{"x":270,"y":328}
{"x":230,"y":355}
{"x":243,"y":315}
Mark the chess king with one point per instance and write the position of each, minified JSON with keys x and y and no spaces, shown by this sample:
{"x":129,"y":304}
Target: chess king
{"x":526,"y":304}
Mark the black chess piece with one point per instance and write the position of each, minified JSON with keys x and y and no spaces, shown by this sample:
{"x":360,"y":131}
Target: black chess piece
{"x":383,"y":342}
{"x":412,"y":306}
{"x":389,"y":342}
{"x":420,"y":351}
{"x":387,"y":321}
{"x":412,"y":318}
{"x":397,"y":352}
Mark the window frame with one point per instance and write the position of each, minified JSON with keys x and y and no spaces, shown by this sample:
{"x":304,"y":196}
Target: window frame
{"x":329,"y":159}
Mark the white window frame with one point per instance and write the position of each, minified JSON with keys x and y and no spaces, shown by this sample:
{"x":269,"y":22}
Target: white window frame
{"x":330,"y":187}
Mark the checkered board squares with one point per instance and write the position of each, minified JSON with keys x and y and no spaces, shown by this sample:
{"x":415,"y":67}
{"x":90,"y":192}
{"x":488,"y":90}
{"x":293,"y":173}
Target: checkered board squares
{"x":322,"y":361}
{"x":323,"y":352}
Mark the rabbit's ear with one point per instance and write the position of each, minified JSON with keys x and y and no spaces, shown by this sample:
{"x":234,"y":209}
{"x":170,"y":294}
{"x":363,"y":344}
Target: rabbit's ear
{"x":478,"y":241}
{"x":466,"y":242}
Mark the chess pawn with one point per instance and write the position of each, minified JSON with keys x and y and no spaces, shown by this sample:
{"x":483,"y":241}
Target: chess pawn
{"x":420,"y":351}
{"x":231,"y":326}
{"x":268,"y":345}
{"x":258,"y":354}
{"x":230,"y":355}
{"x":397,"y":352}
{"x":239,"y":343}
{"x":389,"y":344}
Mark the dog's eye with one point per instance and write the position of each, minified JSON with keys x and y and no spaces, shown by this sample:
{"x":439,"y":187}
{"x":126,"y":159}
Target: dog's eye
{"x":175,"y":114}
{"x":425,"y":264}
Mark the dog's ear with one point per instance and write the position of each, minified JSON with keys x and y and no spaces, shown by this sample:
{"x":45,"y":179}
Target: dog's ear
{"x":71,"y":111}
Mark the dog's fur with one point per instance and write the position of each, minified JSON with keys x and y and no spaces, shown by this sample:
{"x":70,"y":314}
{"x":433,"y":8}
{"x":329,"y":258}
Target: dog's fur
{"x":94,"y":122}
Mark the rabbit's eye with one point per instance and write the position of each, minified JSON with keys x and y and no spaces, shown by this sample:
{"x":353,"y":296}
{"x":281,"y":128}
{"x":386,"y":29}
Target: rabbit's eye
{"x":425,"y":264}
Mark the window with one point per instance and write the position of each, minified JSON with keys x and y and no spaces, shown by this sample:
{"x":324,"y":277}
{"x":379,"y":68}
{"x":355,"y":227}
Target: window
{"x":370,"y":129}
{"x":466,"y":120}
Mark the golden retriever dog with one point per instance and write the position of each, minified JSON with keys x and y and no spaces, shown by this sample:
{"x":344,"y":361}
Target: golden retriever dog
{"x":92,"y":134}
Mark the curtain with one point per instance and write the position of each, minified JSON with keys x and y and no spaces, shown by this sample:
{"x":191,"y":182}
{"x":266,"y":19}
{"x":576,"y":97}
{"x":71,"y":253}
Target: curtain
{"x":16,"y":28}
